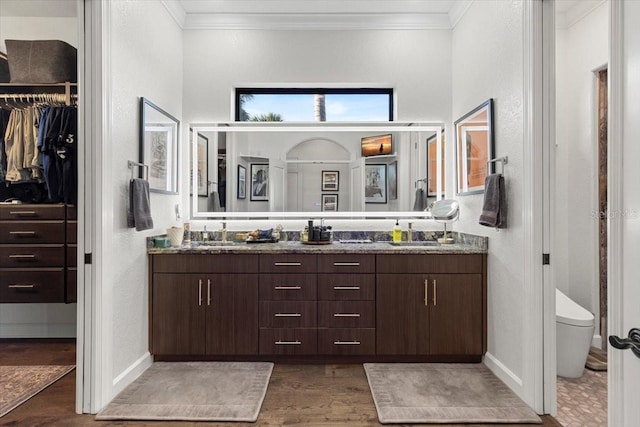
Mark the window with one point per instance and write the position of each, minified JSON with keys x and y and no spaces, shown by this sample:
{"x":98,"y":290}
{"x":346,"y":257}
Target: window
{"x":314,"y":105}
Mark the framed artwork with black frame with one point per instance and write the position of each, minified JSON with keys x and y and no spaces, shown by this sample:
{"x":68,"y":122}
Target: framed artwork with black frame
{"x":375,"y":184}
{"x":474,"y":148}
{"x":330,"y":180}
{"x":242,"y":182}
{"x":259,"y":182}
{"x":330,"y":203}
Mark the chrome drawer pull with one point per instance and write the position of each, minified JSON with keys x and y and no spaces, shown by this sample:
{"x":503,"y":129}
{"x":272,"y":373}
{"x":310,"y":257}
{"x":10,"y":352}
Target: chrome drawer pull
{"x":22,"y":286}
{"x":287,"y":288}
{"x":346,"y":314}
{"x":22,"y":256}
{"x":346,"y":264}
{"x":288,"y":315}
{"x":346,"y":288}
{"x":288,"y":342}
{"x":22,"y":213}
{"x":287,"y":264}
{"x":346,"y":342}
{"x":23,"y":233}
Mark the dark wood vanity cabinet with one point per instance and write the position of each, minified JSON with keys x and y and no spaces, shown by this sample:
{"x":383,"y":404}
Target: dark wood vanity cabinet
{"x":208,"y":307}
{"x":433,"y":305}
{"x":323,"y":305}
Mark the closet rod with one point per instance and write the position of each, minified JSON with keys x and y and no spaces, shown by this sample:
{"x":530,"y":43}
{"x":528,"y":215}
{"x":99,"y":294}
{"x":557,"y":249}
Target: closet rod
{"x":30,"y":97}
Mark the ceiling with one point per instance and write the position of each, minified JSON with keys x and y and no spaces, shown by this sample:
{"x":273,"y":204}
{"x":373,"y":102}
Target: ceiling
{"x":305,"y":14}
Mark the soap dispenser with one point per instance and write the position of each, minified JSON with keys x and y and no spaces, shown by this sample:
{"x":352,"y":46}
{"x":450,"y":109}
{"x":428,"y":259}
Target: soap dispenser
{"x":397,"y":232}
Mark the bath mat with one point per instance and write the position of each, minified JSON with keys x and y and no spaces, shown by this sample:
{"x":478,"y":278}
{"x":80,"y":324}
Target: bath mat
{"x":443,"y":393}
{"x":193,"y":391}
{"x":596,"y":360}
{"x":20,"y":383}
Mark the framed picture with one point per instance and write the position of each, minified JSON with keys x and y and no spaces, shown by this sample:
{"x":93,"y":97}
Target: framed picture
{"x":330,"y":202}
{"x":259,"y":182}
{"x":375,"y":183}
{"x":242,"y":182}
{"x":474,"y":148}
{"x":201,"y":166}
{"x":330,"y":180}
{"x":432,"y":164}
{"x":393,"y":180}
{"x":159,"y":147}
{"x":376,"y":145}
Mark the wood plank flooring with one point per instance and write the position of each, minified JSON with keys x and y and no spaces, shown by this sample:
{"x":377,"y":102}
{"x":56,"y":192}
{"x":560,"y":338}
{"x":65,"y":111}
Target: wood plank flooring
{"x":298,"y":395}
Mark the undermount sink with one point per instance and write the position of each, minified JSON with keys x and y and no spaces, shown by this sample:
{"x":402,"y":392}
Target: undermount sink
{"x":217,"y":243}
{"x":417,"y":243}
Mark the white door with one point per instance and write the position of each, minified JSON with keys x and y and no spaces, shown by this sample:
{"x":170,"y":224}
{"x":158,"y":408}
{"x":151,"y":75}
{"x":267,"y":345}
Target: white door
{"x":277,"y":185}
{"x":357,"y":185}
{"x":624,"y":210}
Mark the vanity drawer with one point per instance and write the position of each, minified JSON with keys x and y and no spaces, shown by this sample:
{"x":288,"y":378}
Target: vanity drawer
{"x":288,"y":341}
{"x":430,"y":263}
{"x":42,"y":285}
{"x":288,"y":314}
{"x":205,"y":263}
{"x":29,"y":232}
{"x":347,"y":341}
{"x":346,"y":287}
{"x":346,"y":314}
{"x":31,"y":212}
{"x":288,"y":286}
{"x":27,"y":256}
{"x":344,"y":263}
{"x":288,"y":263}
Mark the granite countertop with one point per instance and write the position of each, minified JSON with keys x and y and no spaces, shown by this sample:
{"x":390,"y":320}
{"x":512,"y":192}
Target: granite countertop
{"x":333,"y":248}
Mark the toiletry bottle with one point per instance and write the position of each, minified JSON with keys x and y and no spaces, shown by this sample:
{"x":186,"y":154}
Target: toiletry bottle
{"x":187,"y":233}
{"x":205,"y":235}
{"x":397,"y":232}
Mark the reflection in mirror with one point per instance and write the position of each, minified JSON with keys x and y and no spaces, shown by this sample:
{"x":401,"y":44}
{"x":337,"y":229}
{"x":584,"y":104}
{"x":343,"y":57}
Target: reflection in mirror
{"x":272,"y":170}
{"x":159,"y":132}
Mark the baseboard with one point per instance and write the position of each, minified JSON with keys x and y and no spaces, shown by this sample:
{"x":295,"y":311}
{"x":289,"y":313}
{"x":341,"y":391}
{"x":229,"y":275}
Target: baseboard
{"x":596,"y":341}
{"x":501,"y":371}
{"x":130,"y":374}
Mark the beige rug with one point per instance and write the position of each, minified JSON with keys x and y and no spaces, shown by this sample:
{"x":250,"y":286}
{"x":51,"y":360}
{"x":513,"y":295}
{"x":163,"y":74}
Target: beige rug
{"x":443,"y":393}
{"x":20,"y":383}
{"x":193,"y":391}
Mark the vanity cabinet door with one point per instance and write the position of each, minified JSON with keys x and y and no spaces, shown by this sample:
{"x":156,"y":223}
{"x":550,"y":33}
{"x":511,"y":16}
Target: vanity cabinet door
{"x":178,"y":314}
{"x":402,"y":317}
{"x":455,"y":314}
{"x":231,"y":313}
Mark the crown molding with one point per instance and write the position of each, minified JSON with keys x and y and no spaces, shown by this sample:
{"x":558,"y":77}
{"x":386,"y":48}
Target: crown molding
{"x":457,"y":11}
{"x":176,"y":11}
{"x":317,"y":21}
{"x":573,"y":15}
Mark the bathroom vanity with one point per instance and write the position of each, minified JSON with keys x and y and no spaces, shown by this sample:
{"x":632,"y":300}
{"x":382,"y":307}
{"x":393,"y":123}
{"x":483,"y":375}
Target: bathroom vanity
{"x":337,"y":302}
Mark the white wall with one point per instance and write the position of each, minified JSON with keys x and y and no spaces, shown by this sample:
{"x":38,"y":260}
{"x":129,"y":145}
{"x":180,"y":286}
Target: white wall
{"x":146,"y":60}
{"x":37,"y":320}
{"x":581,"y":49}
{"x":488,"y":63}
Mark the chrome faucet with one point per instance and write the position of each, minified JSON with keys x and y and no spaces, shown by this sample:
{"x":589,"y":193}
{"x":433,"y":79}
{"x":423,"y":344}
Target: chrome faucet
{"x":224,"y":232}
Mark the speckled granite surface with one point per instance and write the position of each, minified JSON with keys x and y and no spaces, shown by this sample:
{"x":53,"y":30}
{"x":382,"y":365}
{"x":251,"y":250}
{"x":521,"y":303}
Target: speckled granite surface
{"x":465,"y":244}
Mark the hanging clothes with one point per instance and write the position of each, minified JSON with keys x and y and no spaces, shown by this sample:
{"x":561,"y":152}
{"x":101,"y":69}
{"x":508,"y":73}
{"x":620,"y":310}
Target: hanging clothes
{"x":4,"y":122}
{"x":59,"y":147}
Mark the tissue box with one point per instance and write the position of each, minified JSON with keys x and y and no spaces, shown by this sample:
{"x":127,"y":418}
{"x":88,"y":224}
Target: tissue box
{"x":42,"y":61}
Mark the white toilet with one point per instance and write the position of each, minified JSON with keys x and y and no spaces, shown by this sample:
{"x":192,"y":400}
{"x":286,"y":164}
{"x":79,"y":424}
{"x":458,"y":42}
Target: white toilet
{"x":574,"y":332}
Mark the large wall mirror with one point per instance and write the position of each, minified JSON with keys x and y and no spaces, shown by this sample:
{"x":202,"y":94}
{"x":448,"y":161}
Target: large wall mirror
{"x":282,"y":170}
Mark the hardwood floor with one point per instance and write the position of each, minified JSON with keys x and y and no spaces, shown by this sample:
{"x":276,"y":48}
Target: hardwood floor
{"x":298,"y":395}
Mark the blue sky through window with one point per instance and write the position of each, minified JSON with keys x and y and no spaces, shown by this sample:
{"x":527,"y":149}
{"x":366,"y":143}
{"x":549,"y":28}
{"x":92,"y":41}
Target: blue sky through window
{"x":339,"y":107}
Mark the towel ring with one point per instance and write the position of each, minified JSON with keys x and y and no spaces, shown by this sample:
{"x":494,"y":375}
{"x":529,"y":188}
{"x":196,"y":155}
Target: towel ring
{"x":502,"y":160}
{"x":145,"y":168}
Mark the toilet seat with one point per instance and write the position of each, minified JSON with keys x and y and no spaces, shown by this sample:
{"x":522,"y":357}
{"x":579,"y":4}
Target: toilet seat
{"x":570,"y":313}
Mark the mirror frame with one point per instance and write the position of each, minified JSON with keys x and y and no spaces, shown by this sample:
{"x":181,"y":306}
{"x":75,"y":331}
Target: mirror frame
{"x":437,"y":128}
{"x":170,"y":127}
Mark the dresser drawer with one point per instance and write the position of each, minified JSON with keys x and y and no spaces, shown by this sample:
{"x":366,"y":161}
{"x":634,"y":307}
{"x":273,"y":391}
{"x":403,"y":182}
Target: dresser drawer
{"x":43,"y":285}
{"x":27,"y":256}
{"x":346,"y":314}
{"x":344,"y":263}
{"x":346,"y":286}
{"x":288,"y":314}
{"x":29,"y":232}
{"x":72,"y":255}
{"x":31,"y":212}
{"x":288,"y":263}
{"x":72,"y":285}
{"x":72,"y":232}
{"x":347,"y":341}
{"x":288,"y":286}
{"x":288,"y":341}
